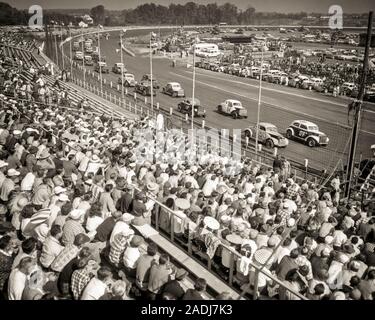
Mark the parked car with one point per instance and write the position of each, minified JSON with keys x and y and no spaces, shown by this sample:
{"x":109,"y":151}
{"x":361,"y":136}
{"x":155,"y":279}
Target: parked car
{"x":118,"y":67}
{"x":186,"y":105}
{"x":101,"y":67}
{"x":129,"y":80}
{"x":174,"y":89}
{"x":268,"y":135}
{"x":89,"y":50}
{"x":76,"y":46}
{"x":144,"y":88}
{"x":307,"y":132}
{"x":233,"y":108}
{"x":89,"y":61}
{"x":147,"y":77}
{"x":78,"y":56}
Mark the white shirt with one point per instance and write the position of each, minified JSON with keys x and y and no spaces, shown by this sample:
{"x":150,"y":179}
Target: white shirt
{"x":94,"y":290}
{"x":131,"y":256}
{"x":209,"y":187}
{"x":17,"y":283}
{"x":93,"y":222}
{"x":119,"y":227}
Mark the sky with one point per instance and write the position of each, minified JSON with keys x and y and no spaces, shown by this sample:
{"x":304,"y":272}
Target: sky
{"x":282,"y":6}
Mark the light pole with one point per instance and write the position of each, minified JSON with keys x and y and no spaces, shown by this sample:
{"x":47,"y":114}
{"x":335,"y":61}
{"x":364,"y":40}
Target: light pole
{"x":100,"y":67}
{"x":193,"y":95}
{"x":122,"y":63}
{"x":70,"y":52}
{"x":83,"y":60}
{"x":259,"y":101}
{"x":152,"y":36}
{"x":62,"y":47}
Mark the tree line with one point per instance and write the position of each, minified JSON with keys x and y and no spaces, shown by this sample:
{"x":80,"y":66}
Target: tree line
{"x":152,"y":14}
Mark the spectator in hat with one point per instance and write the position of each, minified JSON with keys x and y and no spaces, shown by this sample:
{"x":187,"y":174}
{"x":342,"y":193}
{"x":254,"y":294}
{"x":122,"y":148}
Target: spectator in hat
{"x":72,"y":227}
{"x":173,"y":286}
{"x":9,"y":184}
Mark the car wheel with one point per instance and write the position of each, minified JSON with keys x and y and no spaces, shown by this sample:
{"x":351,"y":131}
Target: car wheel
{"x":220,"y":109}
{"x":269,"y":144}
{"x":234,"y":115}
{"x":311,"y":142}
{"x":174,"y":94}
{"x":289,"y":134}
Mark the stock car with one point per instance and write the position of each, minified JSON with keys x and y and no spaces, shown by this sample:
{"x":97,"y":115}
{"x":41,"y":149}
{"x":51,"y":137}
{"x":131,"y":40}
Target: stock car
{"x":174,"y":89}
{"x":129,"y":80}
{"x":267,"y":135}
{"x":101,"y":67}
{"x":144,"y":88}
{"x":307,"y":132}
{"x":186,"y":105}
{"x":233,"y":108}
{"x":118,"y":67}
{"x":147,"y":77}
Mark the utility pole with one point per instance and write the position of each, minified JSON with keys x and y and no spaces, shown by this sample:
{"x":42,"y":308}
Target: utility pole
{"x":358,"y":109}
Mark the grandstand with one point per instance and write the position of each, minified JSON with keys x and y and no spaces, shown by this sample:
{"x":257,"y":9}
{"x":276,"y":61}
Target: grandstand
{"x":238,"y":270}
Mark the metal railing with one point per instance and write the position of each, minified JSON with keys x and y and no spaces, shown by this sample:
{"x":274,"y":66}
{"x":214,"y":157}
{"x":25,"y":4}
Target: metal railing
{"x":191,"y":226}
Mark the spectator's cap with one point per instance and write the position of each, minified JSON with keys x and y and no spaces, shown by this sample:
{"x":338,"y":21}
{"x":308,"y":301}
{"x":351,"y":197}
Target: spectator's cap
{"x":3,"y":164}
{"x":328,"y":240}
{"x":127,"y":217}
{"x":290,"y":180}
{"x":221,"y":189}
{"x":273,"y":241}
{"x":180,"y":273}
{"x":372,"y":147}
{"x":58,"y":190}
{"x":225,"y":219}
{"x":12,"y":172}
{"x":194,"y":169}
{"x":76,"y":214}
{"x":81,"y":239}
{"x":63,"y":197}
{"x":17,"y":132}
{"x":338,"y":295}
{"x":152,"y":186}
{"x":44,"y":154}
{"x":348,"y":248}
{"x":286,"y":205}
{"x":262,"y":255}
{"x":163,"y":166}
{"x":343,"y":258}
{"x":241,"y":196}
{"x":291,"y":222}
{"x":234,"y":239}
{"x":182,"y":204}
{"x":188,"y":171}
{"x":95,"y":158}
{"x":136,"y":241}
{"x":132,"y":165}
{"x":211,"y":223}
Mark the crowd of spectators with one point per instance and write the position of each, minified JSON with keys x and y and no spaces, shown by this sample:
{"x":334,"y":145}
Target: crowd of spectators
{"x":73,"y":193}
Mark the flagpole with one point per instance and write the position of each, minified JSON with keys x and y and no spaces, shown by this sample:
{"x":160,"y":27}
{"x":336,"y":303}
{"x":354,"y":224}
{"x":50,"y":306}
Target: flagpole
{"x":152,"y":84}
{"x":122,"y":71}
{"x":100,"y":68}
{"x":57,"y":53}
{"x":259,"y":101}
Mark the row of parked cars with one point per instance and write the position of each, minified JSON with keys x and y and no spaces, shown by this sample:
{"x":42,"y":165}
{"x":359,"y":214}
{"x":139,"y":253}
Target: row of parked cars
{"x":279,"y":77}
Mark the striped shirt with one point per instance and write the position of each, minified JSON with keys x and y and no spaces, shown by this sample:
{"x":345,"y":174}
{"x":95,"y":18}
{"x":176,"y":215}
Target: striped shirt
{"x":70,"y":230}
{"x":65,"y":256}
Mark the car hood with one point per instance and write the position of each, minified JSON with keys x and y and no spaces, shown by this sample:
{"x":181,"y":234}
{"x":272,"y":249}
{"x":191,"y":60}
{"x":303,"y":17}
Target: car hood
{"x":276,"y":135}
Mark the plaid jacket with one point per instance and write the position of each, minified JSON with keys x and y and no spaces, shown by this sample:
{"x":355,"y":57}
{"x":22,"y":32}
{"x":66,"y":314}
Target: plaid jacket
{"x":65,"y":256}
{"x":80,"y":278}
{"x":118,"y":247}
